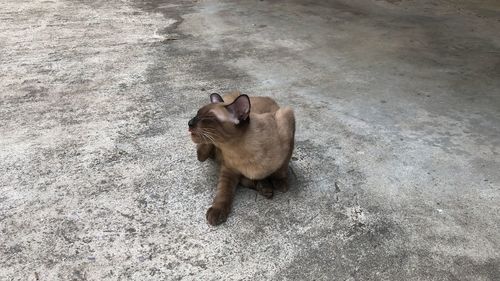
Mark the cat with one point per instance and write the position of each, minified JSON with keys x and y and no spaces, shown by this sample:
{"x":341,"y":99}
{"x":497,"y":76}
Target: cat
{"x":208,"y":150}
{"x":251,"y":145}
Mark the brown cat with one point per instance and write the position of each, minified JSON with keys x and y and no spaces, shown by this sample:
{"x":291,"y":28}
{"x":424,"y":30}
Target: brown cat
{"x":250,"y":145}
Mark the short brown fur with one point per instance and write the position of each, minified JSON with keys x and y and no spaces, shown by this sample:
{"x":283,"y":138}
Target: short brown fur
{"x":251,"y":145}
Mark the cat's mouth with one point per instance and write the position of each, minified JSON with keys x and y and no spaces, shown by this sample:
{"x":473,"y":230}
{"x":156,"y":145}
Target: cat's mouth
{"x":195,"y":137}
{"x":200,"y":136}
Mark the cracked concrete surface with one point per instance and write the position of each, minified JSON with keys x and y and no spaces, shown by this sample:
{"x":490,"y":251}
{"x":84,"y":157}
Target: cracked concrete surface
{"x":396,"y":166}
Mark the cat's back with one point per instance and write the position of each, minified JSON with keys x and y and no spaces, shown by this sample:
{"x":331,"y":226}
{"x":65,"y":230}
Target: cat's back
{"x":263,"y":104}
{"x":279,"y":123}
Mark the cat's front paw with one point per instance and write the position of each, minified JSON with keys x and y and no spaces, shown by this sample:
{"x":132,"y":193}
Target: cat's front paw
{"x":205,"y":151}
{"x":217,"y":215}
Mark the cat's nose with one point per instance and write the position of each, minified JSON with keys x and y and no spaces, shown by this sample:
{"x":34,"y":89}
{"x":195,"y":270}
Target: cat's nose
{"x":192,"y":122}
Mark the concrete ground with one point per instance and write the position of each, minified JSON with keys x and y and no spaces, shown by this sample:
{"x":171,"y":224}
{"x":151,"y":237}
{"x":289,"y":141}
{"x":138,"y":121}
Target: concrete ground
{"x":396,"y":166}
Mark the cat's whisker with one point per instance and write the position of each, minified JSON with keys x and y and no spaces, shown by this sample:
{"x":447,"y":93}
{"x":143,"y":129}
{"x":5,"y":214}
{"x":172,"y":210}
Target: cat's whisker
{"x":203,"y":137}
{"x":206,"y":137}
{"x":208,"y":130}
{"x":209,"y":136}
{"x":213,"y":139}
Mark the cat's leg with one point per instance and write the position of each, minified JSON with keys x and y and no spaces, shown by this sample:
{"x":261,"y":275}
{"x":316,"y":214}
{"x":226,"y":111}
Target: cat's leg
{"x":221,"y":206}
{"x":248,"y":183}
{"x":279,"y":179}
{"x":263,"y":187}
{"x":204,"y":151}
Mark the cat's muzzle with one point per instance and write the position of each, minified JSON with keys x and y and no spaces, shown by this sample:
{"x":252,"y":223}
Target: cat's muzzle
{"x":192,"y":130}
{"x":192,"y":122}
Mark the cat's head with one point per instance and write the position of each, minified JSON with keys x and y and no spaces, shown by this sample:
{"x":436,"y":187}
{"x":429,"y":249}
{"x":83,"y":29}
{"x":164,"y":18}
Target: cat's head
{"x":218,"y":122}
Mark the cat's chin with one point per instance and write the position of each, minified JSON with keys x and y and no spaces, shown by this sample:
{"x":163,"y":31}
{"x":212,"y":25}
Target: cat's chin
{"x":195,"y":138}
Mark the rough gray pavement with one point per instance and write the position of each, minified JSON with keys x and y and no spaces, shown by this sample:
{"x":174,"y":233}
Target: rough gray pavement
{"x":396,"y":171}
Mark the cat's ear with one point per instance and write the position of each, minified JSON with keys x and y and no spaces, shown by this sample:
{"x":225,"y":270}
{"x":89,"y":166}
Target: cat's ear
{"x":239,"y":109}
{"x":215,"y":98}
